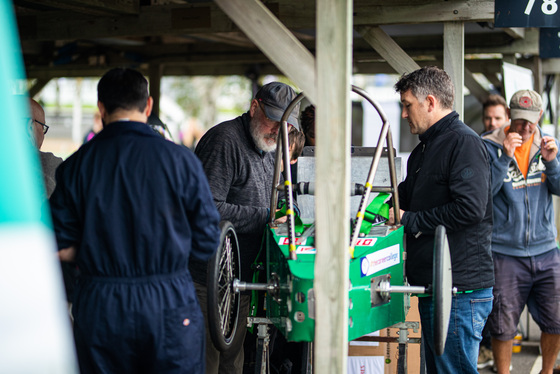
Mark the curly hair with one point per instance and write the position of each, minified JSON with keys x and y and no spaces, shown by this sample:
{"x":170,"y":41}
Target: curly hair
{"x":307,"y":120}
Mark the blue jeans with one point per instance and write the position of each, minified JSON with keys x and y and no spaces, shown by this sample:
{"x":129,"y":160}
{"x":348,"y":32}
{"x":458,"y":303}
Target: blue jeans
{"x":469,"y":312}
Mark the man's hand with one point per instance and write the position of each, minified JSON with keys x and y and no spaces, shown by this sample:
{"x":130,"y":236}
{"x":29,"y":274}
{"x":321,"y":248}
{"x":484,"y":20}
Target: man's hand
{"x":67,"y":254}
{"x":280,"y":220}
{"x":548,"y":148}
{"x":512,"y":141}
{"x":391,"y":220}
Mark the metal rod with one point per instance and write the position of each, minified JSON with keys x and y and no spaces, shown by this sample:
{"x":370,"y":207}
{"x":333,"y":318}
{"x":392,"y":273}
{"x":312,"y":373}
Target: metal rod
{"x":402,"y":289}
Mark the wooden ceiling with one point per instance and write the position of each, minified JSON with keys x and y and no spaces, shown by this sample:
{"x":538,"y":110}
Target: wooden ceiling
{"x":80,"y":38}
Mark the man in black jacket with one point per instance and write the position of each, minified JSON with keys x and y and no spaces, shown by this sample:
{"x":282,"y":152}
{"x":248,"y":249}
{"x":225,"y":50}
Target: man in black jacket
{"x":447,"y":183}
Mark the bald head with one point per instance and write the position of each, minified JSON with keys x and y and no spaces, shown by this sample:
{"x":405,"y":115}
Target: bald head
{"x":37,"y":114}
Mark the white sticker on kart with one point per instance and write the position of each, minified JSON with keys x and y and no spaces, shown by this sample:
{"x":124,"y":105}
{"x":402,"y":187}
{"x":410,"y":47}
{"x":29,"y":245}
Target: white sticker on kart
{"x":284,"y":240}
{"x":306,"y":250}
{"x":366,"y":242}
{"x":380,"y":260}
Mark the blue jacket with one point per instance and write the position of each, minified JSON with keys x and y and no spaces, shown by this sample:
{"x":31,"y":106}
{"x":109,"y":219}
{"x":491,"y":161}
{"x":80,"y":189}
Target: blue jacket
{"x":523,"y":211}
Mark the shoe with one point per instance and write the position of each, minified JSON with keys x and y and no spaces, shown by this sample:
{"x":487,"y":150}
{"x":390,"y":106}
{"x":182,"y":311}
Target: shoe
{"x":495,"y":369}
{"x":485,"y":358}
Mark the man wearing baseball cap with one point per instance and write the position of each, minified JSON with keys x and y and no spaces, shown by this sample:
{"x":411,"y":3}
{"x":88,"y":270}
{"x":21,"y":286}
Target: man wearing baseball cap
{"x":238,"y":160}
{"x":525,"y":175}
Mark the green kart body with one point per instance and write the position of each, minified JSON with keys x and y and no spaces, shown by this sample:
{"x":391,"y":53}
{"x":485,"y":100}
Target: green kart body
{"x":292,"y":308}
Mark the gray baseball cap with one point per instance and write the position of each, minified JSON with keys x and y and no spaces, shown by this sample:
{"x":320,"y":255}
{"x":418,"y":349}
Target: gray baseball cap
{"x":525,"y":104}
{"x":275,"y":98}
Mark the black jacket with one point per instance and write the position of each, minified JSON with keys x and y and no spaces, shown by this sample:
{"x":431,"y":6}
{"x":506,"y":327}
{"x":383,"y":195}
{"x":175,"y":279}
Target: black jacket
{"x":448,"y":183}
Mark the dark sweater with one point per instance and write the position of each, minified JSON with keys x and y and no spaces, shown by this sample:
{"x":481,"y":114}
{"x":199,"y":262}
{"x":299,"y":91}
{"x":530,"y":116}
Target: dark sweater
{"x":240,"y":178}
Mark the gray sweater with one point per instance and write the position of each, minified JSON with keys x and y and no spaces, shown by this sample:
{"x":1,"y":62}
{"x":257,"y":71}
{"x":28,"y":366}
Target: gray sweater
{"x":240,"y":177}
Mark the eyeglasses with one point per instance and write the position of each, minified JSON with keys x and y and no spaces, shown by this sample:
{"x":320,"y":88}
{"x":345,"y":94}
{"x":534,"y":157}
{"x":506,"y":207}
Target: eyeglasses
{"x":45,"y":127}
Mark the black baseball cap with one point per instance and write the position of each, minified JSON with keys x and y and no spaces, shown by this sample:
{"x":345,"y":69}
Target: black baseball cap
{"x":276,"y":97}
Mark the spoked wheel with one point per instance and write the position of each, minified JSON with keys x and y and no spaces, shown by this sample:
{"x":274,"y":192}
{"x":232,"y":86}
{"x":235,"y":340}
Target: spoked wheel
{"x":223,"y":301}
{"x":442,"y":288}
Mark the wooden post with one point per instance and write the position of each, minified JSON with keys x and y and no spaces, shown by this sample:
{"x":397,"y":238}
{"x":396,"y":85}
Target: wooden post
{"x":454,"y":60}
{"x":334,"y":41}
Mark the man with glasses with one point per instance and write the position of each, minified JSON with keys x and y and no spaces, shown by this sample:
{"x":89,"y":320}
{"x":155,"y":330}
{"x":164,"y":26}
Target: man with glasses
{"x":49,"y":162}
{"x":237,"y":158}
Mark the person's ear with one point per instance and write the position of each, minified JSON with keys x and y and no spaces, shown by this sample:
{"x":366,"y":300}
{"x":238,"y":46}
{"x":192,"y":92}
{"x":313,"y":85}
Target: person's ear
{"x":102,"y":110}
{"x":432,"y":102}
{"x":253,"y":108}
{"x":149,"y":106}
{"x":293,"y":161}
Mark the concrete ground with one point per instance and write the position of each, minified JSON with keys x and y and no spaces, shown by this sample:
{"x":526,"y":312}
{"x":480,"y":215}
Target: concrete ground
{"x":528,"y":361}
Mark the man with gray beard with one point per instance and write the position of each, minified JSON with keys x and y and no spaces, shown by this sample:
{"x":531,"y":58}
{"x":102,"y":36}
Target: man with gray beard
{"x":238,"y":160}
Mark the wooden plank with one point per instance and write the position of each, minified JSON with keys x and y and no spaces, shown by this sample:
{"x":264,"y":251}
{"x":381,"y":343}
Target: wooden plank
{"x":453,"y":60}
{"x":294,"y":14}
{"x":207,"y":18}
{"x":151,"y":21}
{"x":95,"y":7}
{"x":395,"y":56}
{"x":275,"y":41}
{"x":515,"y":32}
{"x":551,"y":66}
{"x":334,"y":63}
{"x":405,"y":12}
{"x":37,"y":87}
{"x":476,"y":89}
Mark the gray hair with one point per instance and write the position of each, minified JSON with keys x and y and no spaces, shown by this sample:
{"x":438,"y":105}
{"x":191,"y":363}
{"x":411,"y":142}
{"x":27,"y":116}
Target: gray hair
{"x":429,"y":80}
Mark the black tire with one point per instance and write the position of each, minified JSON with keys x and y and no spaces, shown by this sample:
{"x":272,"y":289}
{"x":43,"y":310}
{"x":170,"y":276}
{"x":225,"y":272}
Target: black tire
{"x":443,"y":289}
{"x":223,"y":302}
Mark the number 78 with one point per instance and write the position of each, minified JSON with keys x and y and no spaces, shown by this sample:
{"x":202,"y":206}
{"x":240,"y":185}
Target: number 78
{"x":548,"y":7}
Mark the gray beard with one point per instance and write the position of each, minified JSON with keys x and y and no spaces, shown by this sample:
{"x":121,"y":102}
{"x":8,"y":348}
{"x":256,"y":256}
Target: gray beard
{"x":259,"y":138}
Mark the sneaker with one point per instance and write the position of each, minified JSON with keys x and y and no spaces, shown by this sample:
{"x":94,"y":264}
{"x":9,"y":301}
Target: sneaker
{"x":485,"y":358}
{"x":495,"y":369}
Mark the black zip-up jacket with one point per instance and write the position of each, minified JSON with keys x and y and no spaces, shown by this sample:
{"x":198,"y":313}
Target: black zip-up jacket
{"x":448,"y":183}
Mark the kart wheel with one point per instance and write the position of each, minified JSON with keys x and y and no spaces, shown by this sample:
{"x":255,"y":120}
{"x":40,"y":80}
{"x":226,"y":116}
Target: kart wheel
{"x":223,"y":301}
{"x":442,"y":288}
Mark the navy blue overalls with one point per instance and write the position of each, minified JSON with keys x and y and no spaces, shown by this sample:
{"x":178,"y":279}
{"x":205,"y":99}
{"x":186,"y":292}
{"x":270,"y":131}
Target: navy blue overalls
{"x":137,"y":207}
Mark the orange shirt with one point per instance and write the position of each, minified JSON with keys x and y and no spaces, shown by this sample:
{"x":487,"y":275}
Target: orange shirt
{"x":522,"y":154}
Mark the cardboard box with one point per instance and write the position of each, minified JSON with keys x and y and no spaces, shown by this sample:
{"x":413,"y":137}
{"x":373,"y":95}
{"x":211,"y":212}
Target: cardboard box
{"x":379,"y":349}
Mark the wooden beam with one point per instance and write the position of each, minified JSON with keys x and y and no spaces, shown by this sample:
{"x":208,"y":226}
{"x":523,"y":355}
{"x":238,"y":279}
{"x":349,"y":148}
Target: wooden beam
{"x":388,"y":49}
{"x":151,"y":21}
{"x":92,"y":7}
{"x":551,"y":66}
{"x":476,"y":89}
{"x":496,"y":82}
{"x":334,"y":43}
{"x":381,"y":12}
{"x":275,"y":41}
{"x":453,"y":60}
{"x":38,"y":86}
{"x":538,"y":74}
{"x":207,"y":18}
{"x":515,"y":32}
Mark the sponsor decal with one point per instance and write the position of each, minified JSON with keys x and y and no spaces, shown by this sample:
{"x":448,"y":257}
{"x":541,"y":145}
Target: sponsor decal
{"x":383,"y":259}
